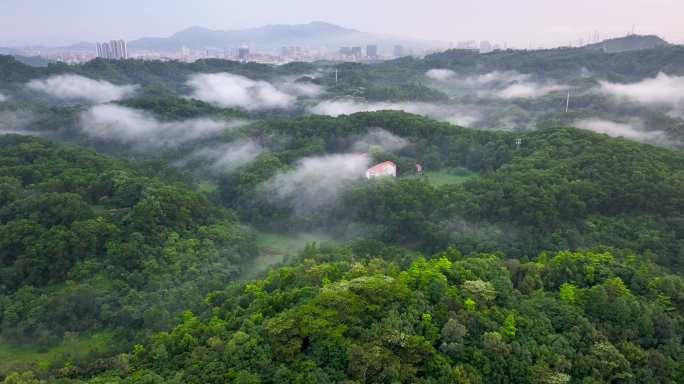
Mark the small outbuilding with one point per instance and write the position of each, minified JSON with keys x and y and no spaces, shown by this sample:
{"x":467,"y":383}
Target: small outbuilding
{"x":388,"y":168}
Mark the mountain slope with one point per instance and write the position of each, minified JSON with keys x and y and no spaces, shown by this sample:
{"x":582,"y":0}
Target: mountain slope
{"x":358,"y":315}
{"x":313,"y":34}
{"x":89,"y":245}
{"x":629,"y":43}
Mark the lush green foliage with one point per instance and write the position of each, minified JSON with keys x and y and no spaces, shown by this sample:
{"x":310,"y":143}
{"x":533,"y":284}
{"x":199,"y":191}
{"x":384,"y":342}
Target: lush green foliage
{"x":87,"y":244}
{"x":166,"y":106}
{"x":565,"y":63}
{"x":372,"y":314}
{"x":561,"y":189}
{"x":574,"y":240}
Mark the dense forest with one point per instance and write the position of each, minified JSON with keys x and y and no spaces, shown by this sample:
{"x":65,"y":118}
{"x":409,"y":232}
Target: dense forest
{"x":369,"y":313}
{"x":89,"y":245}
{"x":174,"y":232}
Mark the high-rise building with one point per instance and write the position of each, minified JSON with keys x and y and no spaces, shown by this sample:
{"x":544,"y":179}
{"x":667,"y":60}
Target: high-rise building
{"x":184,"y":53}
{"x":243,"y":53}
{"x":123,"y":46}
{"x":398,"y":51}
{"x":106,"y":52}
{"x":357,"y":52}
{"x":291,"y":51}
{"x":115,"y":49}
{"x":372,"y":51}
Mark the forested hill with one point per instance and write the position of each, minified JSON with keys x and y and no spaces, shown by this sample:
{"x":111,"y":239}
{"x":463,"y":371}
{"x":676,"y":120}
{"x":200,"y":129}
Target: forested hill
{"x":511,"y":247}
{"x":91,"y":247}
{"x":566,"y":63}
{"x":141,"y":71}
{"x":582,"y":284}
{"x":629,"y":43}
{"x":560,"y":188}
{"x":560,"y":63}
{"x":551,"y":256}
{"x":373,"y":314}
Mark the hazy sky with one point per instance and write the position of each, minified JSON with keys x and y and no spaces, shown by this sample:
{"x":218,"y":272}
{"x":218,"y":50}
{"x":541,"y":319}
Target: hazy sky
{"x":517,"y":22}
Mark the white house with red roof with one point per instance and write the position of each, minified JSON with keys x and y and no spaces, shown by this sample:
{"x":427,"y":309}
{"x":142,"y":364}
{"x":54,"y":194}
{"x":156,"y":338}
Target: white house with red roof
{"x":388,"y":168}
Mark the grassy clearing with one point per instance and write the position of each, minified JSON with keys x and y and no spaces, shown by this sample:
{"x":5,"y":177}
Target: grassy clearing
{"x":446,"y":177}
{"x":287,"y":244}
{"x":17,"y":358}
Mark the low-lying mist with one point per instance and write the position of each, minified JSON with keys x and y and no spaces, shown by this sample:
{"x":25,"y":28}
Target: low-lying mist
{"x":226,"y":157}
{"x":633,"y":130}
{"x":143,"y":131}
{"x":528,"y":90}
{"x":378,"y":137}
{"x":491,"y":100}
{"x":660,"y":91}
{"x":460,"y":114}
{"x":440,"y":74}
{"x":303,"y":89}
{"x":316,"y":182}
{"x":16,"y":122}
{"x":229,"y":90}
{"x":496,"y":84}
{"x":491,"y":79}
{"x":74,"y":87}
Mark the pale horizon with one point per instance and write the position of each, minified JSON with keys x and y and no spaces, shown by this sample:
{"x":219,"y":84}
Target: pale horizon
{"x":535,"y":23}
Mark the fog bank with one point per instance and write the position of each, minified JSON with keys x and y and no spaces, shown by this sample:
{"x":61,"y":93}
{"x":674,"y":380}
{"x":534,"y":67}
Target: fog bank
{"x":633,"y":130}
{"x":225,"y":157}
{"x":317,"y":182}
{"x":228,"y":90}
{"x":141,"y":129}
{"x":74,"y":87}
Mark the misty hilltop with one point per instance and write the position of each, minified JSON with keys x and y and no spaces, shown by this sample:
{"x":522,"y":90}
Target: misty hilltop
{"x":629,"y":43}
{"x":314,"y":34}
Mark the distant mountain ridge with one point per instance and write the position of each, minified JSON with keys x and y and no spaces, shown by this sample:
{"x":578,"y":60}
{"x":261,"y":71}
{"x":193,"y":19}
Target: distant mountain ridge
{"x":270,"y":37}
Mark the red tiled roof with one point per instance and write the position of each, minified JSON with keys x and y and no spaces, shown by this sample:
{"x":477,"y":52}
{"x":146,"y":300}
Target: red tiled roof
{"x":381,"y":166}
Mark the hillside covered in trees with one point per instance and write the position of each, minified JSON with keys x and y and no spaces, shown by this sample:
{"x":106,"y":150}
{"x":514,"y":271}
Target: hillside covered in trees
{"x":90,"y":246}
{"x":152,"y":217}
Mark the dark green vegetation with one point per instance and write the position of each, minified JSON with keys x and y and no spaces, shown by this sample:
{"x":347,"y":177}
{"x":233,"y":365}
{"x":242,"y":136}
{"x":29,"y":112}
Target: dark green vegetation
{"x":87,"y":245}
{"x":518,"y":308}
{"x":381,"y":83}
{"x":567,"y":63}
{"x":560,"y":64}
{"x":579,"y":69}
{"x":171,"y":74}
{"x":629,"y":43}
{"x":544,"y":256}
{"x":164,"y":105}
{"x":367,"y":313}
{"x":562,"y":189}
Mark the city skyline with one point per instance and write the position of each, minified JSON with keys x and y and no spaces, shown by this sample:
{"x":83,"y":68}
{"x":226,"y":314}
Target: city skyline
{"x":527,"y":22}
{"x":115,"y":49}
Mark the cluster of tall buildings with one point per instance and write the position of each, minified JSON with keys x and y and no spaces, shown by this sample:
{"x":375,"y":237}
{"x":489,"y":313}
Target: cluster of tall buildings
{"x":372,"y":52}
{"x":243,"y":53}
{"x":115,"y":49}
{"x":482,"y":47}
{"x":356,"y":53}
